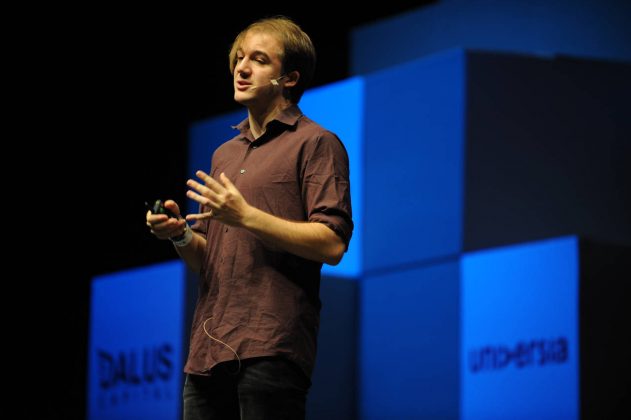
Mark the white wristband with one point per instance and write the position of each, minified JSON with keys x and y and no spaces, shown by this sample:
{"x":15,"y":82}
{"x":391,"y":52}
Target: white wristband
{"x":185,"y":239}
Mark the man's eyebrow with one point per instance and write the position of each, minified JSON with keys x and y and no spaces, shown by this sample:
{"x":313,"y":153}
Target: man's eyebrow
{"x":255,"y":53}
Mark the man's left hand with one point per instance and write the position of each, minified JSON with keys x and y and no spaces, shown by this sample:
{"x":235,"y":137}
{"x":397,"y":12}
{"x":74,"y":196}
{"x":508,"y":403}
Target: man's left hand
{"x":222,"y":199}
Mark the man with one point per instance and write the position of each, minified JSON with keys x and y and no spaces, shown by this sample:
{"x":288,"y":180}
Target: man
{"x":275,"y":206}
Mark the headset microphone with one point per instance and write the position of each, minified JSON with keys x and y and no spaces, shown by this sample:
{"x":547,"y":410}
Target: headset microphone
{"x":275,"y":81}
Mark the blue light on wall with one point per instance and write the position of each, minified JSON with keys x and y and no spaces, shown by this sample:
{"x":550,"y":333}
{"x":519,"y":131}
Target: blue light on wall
{"x":135,"y":356}
{"x":519,"y":354}
{"x":339,"y":107}
{"x":409,"y":343}
{"x":414,"y":147}
{"x":596,"y":29}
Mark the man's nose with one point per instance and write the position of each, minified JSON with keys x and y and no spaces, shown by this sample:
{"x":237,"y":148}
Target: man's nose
{"x":243,"y":67}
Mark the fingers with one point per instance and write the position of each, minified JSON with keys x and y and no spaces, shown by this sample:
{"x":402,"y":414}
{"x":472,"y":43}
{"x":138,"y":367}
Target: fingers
{"x":210,"y":194}
{"x":153,"y":219}
{"x":199,"y":216}
{"x":226,"y":182}
{"x":210,"y":182}
{"x":173,"y":207}
{"x":210,"y":201}
{"x":163,"y":227}
{"x":221,"y":197}
{"x":217,"y":197}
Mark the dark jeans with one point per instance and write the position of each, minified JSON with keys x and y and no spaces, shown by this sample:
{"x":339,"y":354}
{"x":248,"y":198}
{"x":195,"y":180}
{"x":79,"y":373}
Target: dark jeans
{"x":264,"y":388}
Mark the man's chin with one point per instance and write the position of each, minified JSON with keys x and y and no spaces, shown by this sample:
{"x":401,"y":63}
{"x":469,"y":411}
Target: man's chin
{"x":242,"y":99}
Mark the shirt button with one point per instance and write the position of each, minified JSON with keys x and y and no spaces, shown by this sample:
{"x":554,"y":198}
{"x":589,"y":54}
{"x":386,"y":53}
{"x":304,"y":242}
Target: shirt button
{"x":242,"y":171}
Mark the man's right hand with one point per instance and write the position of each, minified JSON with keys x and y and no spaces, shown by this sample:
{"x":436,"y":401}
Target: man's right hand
{"x":165,"y":227}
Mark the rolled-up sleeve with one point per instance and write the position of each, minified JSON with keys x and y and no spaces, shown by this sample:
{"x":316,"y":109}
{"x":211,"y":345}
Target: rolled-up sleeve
{"x":326,"y":186}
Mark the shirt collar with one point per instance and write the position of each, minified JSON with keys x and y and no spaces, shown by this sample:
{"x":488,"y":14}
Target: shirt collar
{"x":288,"y":117}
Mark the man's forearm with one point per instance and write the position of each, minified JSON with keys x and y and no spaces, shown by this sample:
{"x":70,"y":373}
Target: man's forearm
{"x":313,"y":241}
{"x":193,"y":253}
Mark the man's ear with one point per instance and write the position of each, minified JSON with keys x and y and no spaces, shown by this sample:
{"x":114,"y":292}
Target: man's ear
{"x":292,"y":78}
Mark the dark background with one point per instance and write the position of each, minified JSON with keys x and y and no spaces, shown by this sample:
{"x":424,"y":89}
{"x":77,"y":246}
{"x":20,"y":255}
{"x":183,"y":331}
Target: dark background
{"x":117,"y":95}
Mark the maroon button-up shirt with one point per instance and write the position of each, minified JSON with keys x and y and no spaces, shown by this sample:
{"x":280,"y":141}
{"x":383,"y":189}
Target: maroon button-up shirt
{"x":254,"y":297}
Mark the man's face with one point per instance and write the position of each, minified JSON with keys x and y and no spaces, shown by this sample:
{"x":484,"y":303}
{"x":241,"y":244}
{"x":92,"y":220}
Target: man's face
{"x":258,"y":63}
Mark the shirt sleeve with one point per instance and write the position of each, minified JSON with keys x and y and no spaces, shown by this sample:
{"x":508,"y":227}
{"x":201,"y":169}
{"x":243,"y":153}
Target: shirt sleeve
{"x":326,"y":186}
